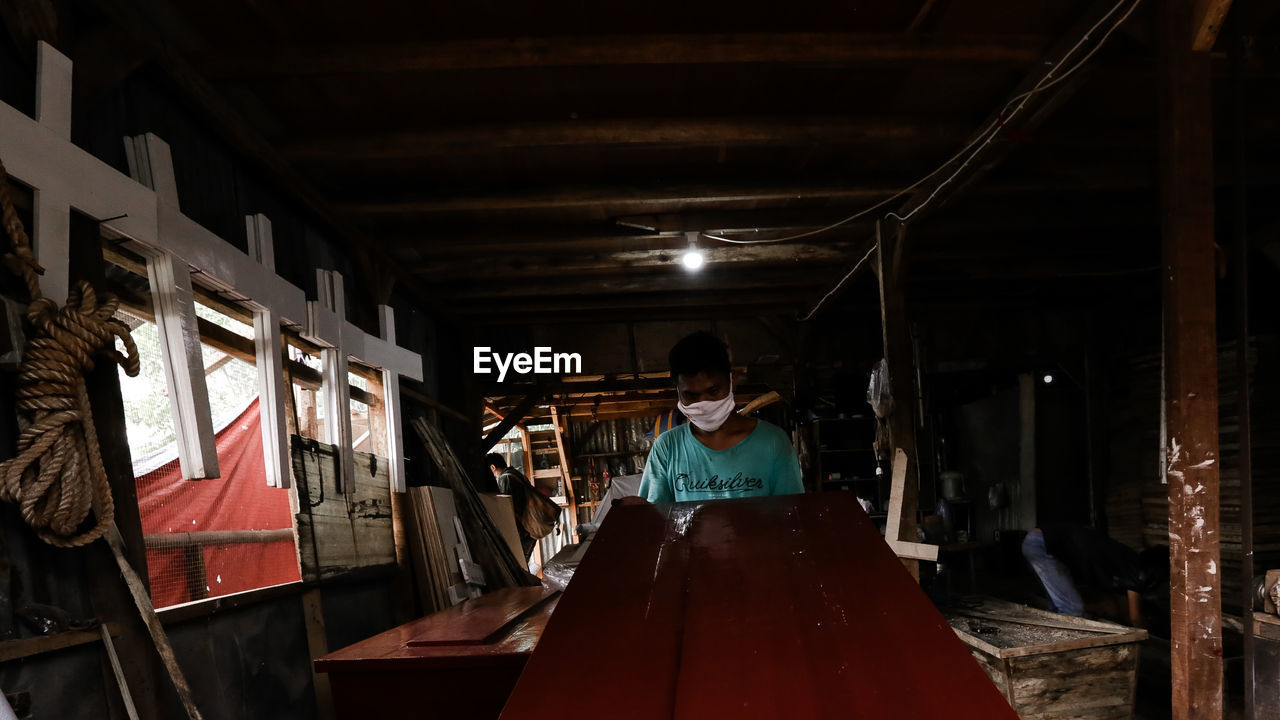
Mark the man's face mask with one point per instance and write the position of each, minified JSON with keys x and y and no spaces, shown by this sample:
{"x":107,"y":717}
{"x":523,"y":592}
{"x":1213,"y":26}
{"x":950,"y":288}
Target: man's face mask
{"x":709,"y":415}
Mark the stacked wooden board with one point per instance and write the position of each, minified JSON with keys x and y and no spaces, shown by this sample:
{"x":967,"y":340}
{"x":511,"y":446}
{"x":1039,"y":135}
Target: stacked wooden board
{"x":783,"y":607}
{"x":1137,"y":501}
{"x":484,"y":542}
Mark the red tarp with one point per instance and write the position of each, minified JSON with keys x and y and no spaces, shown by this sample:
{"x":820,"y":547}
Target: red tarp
{"x":782,"y":607}
{"x":239,"y":500}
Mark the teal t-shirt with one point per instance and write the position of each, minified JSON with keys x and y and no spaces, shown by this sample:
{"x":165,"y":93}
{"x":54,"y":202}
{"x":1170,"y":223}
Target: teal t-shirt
{"x":680,"y":468}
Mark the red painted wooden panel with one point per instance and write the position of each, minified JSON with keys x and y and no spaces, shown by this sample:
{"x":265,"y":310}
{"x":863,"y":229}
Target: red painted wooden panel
{"x":479,"y":620}
{"x":779,"y":607}
{"x":514,"y":618}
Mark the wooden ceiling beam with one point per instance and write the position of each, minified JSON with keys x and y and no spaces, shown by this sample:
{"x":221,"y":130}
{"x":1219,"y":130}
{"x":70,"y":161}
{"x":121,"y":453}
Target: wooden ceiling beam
{"x":521,"y":266}
{"x":636,"y":313}
{"x":713,"y":302}
{"x":678,"y":281}
{"x":708,"y":207}
{"x":616,"y":201}
{"x":613,"y":50}
{"x":714,"y":132}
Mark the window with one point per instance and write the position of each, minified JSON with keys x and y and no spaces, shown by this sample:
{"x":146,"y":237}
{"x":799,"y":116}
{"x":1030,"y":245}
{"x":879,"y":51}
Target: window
{"x":212,"y":537}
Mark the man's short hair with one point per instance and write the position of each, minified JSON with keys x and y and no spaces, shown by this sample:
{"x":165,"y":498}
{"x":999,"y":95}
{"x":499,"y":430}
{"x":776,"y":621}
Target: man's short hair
{"x":496,"y":460}
{"x":699,"y":352}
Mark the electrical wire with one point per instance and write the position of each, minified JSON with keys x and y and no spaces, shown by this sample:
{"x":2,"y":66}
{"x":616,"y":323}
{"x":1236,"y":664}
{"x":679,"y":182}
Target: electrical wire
{"x":843,"y":280}
{"x":981,"y":140}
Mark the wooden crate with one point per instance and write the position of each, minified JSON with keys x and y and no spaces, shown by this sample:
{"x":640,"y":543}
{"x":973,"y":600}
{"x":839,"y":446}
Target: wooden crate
{"x":1050,"y":666}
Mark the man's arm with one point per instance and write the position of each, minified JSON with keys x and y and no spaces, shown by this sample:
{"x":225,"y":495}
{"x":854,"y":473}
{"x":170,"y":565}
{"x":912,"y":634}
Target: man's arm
{"x":655,"y":484}
{"x":787,"y":478}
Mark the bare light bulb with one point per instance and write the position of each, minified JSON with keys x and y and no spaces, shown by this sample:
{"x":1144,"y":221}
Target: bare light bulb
{"x":1048,"y":379}
{"x":692,"y":259}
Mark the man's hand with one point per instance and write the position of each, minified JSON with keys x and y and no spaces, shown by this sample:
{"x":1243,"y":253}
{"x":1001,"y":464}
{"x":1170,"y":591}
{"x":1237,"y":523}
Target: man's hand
{"x":631,"y":500}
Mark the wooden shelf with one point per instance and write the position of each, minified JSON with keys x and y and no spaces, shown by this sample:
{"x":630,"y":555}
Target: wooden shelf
{"x":26,"y":647}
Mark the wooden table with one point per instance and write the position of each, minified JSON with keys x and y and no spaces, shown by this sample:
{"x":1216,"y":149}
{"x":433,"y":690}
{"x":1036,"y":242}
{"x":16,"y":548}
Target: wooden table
{"x":459,"y":663}
{"x":785,"y":607}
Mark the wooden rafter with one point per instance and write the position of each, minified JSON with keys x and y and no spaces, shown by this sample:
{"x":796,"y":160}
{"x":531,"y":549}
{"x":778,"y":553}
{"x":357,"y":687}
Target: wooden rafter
{"x":292,"y":61}
{"x":622,"y":201}
{"x":614,"y":133}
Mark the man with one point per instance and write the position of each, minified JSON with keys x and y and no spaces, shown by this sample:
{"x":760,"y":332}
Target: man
{"x":1063,"y":555}
{"x":718,"y":453}
{"x":513,"y":482}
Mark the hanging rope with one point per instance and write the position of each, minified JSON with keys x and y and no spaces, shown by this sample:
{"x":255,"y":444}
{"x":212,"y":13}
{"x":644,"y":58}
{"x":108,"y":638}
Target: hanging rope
{"x":57,"y":477}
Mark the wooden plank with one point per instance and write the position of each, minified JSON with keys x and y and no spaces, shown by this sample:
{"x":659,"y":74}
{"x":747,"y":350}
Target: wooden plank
{"x":317,"y":647}
{"x":490,"y":53}
{"x":1190,"y":363}
{"x":391,"y":403}
{"x":51,"y":226}
{"x":269,"y":359}
{"x":898,"y":479}
{"x":566,"y":468}
{"x":326,"y":316}
{"x":28,"y":647}
{"x":514,"y":416}
{"x":899,"y":356}
{"x":1209,"y":15}
{"x":1089,"y":684}
{"x":202,"y":538}
{"x":118,"y":670}
{"x":180,"y":352}
{"x":480,"y":620}
{"x":502,"y":513}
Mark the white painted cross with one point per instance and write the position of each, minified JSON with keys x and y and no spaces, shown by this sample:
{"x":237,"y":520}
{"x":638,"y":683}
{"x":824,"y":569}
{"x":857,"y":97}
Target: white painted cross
{"x":51,"y":231}
{"x":181,"y":353}
{"x":38,"y":152}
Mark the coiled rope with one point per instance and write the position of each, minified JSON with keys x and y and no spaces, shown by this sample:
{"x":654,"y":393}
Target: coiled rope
{"x":57,"y":477}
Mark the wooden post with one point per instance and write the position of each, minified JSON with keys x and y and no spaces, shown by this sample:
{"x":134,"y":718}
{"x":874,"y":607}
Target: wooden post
{"x":1191,"y":367}
{"x":1026,"y":497}
{"x":900,"y":358}
{"x":108,"y":595}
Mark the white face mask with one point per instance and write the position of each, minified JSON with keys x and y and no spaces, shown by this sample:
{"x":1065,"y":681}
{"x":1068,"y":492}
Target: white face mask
{"x":709,"y":415}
